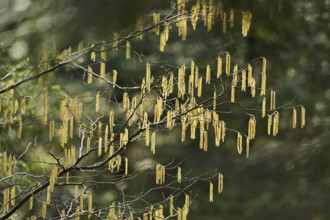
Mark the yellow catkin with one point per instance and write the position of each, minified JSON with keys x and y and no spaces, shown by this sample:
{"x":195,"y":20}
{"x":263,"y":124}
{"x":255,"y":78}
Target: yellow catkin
{"x":100,"y":147}
{"x":99,"y":133}
{"x":303,"y":115}
{"x":276,"y":120}
{"x":23,"y":105}
{"x":272,"y":100}
{"x":179,"y":175}
{"x":81,"y":201}
{"x":211,"y":192}
{"x":126,"y":166}
{"x":227,"y":64}
{"x":44,"y":210}
{"x":183,"y":131}
{"x":114,"y":78}
{"x":147,"y":135}
{"x":208,"y":75}
{"x":247,"y":147}
{"x":224,"y":23}
{"x":243,"y":88}
{"x":269,"y":124}
{"x":115,"y":41}
{"x":93,"y":55}
{"x":12,"y":195}
{"x":128,"y":50}
{"x":249,"y":75}
{"x":220,"y":183}
{"x":263,"y":110}
{"x":171,"y":206}
{"x":219,"y":67}
{"x":156,"y":20}
{"x":106,"y":134}
{"x":239,"y":143}
{"x":232,"y":94}
{"x":31,"y":203}
{"x":294,"y":118}
{"x":253,"y":87}
{"x":20,"y":126}
{"x":48,"y":195}
{"x":97,"y":102}
{"x":76,"y":193}
{"x":4,"y":161}
{"x":209,"y":21}
{"x":90,"y":204}
{"x":14,"y":164}
{"x":71,"y":127}
{"x":80,"y":48}
{"x":10,"y":161}
{"x":103,"y":53}
{"x":44,"y":110}
{"x":179,"y":213}
{"x":15,"y":106}
{"x":246,"y":22}
{"x":90,"y":75}
{"x":205,"y":141}
{"x":200,"y":85}
{"x":148,"y":76}
{"x":231,"y":18}
{"x":263,"y":77}
{"x":153,"y":142}
{"x":196,"y":76}
{"x":102,"y":71}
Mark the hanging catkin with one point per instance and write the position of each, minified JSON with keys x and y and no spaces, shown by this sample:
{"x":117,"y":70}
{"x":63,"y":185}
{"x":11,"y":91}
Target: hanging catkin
{"x":208,"y":75}
{"x":102,"y":71}
{"x":239,"y":143}
{"x":220,"y":183}
{"x":44,"y":110}
{"x":294,"y":118}
{"x":103,"y":53}
{"x":243,"y":88}
{"x":231,"y":18}
{"x":211,"y":192}
{"x":263,"y":114}
{"x":224,"y":23}
{"x":247,"y":147}
{"x":227,"y":64}
{"x":219,"y":67}
{"x":303,"y":113}
{"x":179,"y":175}
{"x":128,"y":50}
{"x":263,"y":77}
{"x":232,"y":94}
{"x":153,"y":142}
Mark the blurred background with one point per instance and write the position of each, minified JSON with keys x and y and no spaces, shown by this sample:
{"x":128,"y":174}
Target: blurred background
{"x":286,"y":177}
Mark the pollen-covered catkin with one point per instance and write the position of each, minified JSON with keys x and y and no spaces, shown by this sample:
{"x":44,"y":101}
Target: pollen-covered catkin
{"x":211,"y":192}
{"x":44,"y":112}
{"x":303,"y":115}
{"x":227,"y":64}
{"x":294,"y":118}
{"x":219,"y":67}
{"x":128,"y":50}
{"x":220,"y":183}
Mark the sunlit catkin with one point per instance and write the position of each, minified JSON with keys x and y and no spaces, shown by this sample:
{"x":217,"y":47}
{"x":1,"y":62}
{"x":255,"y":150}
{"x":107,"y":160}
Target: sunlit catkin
{"x":200,"y":85}
{"x":263,"y":110}
{"x":171,"y":206}
{"x":44,"y":110}
{"x":232,"y":94}
{"x":20,"y":126}
{"x":239,"y":143}
{"x":126,"y":166}
{"x":179,"y":175}
{"x":23,"y":104}
{"x":246,"y":22}
{"x":153,"y":142}
{"x":44,"y":210}
{"x":90,"y":204}
{"x":276,"y":120}
{"x":219,"y":67}
{"x":294,"y":118}
{"x":196,"y":76}
{"x":247,"y":147}
{"x":89,"y":75}
{"x":263,"y":77}
{"x":243,"y":88}
{"x":272,"y":100}
{"x":97,"y":102}
{"x":208,"y":75}
{"x":128,"y":50}
{"x":231,"y":18}
{"x":103,"y":53}
{"x":224,"y":23}
{"x":303,"y":115}
{"x":148,"y":76}
{"x":253,"y":87}
{"x":156,"y":20}
{"x":147,"y":135}
{"x":227,"y":64}
{"x":12,"y":195}
{"x":102,"y":71}
{"x":211,"y":192}
{"x":220,"y":183}
{"x":30,"y":203}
